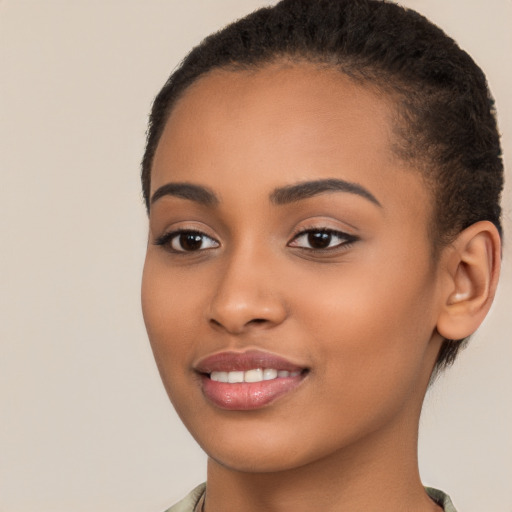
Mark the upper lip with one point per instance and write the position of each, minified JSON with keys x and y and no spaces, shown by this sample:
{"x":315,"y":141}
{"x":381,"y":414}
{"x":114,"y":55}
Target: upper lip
{"x":242,"y":361}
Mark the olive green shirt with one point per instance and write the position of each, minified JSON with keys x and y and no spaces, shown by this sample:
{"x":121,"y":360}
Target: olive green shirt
{"x":188,"y":504}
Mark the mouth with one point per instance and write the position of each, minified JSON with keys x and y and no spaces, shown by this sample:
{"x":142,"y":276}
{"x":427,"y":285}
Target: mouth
{"x":249,"y":380}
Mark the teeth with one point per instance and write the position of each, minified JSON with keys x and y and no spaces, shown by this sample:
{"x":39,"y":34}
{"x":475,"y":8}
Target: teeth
{"x":269,"y":374}
{"x":234,"y":377}
{"x":219,"y":376}
{"x":255,"y":375}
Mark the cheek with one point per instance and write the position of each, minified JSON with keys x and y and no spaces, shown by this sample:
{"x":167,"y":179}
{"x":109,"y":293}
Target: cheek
{"x":166,"y":315}
{"x":370,"y":326}
{"x":169,"y":317}
{"x":171,"y":299}
{"x":174,"y":305}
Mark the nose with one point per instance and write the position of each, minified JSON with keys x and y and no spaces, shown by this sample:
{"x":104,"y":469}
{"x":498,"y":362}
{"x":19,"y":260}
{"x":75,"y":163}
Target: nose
{"x":247,"y":296}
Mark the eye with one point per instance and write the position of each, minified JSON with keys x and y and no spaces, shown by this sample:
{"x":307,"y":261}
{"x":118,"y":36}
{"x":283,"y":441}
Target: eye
{"x":318,"y":239}
{"x":186,"y":241}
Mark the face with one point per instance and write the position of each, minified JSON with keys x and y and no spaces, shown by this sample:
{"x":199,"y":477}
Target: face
{"x":289,"y":255}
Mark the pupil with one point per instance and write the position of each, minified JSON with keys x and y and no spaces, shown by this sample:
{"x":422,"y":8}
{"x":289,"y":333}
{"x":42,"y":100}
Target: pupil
{"x":319,"y":240}
{"x":191,"y":241}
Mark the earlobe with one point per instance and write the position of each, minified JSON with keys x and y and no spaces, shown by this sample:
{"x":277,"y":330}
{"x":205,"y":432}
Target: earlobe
{"x":471,"y":270}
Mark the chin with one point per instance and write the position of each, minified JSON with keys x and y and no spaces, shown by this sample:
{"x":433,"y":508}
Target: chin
{"x":271,"y":448}
{"x":253,"y":448}
{"x":256,"y":460}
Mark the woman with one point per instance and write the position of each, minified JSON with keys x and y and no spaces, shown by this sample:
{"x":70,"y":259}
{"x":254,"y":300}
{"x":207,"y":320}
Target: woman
{"x":322,"y":181}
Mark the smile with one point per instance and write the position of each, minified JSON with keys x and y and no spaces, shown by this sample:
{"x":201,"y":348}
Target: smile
{"x":248,"y":380}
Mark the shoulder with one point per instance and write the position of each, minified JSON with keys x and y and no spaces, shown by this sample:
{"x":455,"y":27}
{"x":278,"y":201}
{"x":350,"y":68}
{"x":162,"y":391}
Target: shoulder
{"x":189,"y":502}
{"x":441,"y":499}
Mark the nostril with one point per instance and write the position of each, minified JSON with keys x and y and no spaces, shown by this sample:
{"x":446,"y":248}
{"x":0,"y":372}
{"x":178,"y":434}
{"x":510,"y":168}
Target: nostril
{"x":239,"y":328}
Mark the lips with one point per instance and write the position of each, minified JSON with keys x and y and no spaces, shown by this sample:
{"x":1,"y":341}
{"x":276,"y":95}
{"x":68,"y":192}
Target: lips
{"x":247,"y":380}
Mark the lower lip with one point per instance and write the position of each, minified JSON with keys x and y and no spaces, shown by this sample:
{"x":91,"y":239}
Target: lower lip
{"x":246,"y":396}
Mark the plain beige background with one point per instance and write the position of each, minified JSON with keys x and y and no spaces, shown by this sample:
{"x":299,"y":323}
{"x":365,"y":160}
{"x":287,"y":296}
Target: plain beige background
{"x":84,"y":421}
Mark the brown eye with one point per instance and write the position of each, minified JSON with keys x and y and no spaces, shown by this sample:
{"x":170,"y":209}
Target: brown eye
{"x":186,"y":241}
{"x":189,"y":241}
{"x":321,"y":239}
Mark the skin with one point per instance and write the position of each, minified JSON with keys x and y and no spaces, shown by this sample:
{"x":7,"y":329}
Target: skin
{"x":362,"y":317}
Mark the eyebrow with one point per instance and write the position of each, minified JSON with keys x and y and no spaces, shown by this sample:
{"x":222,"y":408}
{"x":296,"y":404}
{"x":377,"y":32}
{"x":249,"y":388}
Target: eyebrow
{"x":307,"y":189}
{"x":197,"y":193}
{"x":280,"y":196}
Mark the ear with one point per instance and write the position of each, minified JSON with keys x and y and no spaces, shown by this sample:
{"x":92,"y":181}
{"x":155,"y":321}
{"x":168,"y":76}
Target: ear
{"x":472,"y":266}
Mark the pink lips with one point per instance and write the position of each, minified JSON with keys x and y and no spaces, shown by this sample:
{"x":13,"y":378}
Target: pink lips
{"x":245,"y":396}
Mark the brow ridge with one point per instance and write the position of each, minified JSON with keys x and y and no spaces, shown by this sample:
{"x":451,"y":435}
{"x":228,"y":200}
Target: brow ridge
{"x":196,"y":193}
{"x":307,"y":189}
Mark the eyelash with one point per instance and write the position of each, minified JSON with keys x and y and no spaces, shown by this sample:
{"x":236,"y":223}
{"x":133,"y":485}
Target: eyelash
{"x":167,"y":240}
{"x":346,"y":239}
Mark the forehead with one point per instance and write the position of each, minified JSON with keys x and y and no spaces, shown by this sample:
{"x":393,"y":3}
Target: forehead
{"x":300,"y":108}
{"x":280,"y":124}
